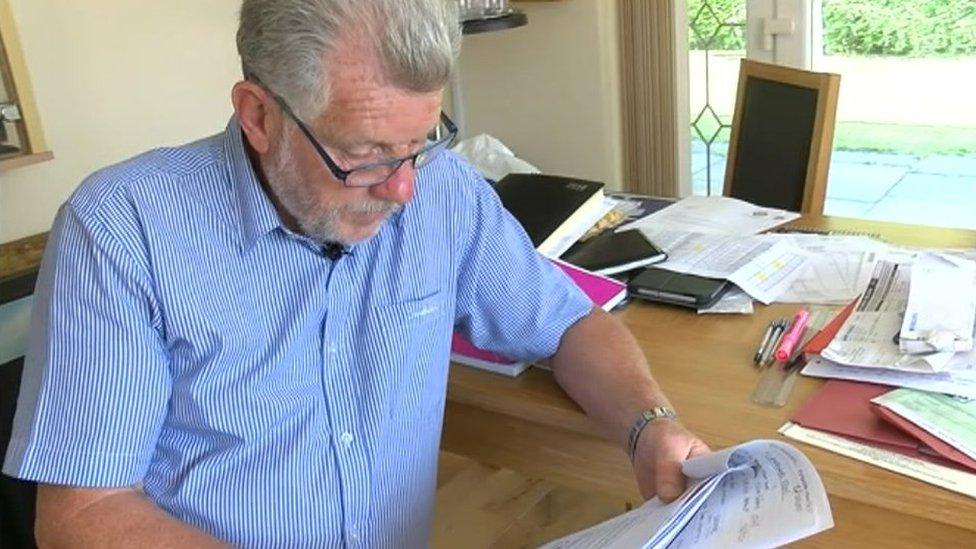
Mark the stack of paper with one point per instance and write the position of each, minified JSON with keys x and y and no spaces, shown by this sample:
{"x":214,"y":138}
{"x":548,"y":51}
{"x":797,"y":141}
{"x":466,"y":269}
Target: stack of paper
{"x":929,"y":333}
{"x":762,"y":493}
{"x":957,"y":378}
{"x":713,"y":237}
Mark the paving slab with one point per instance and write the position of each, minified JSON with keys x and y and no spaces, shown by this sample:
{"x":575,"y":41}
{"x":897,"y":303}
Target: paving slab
{"x":947,"y":165}
{"x":910,"y":210}
{"x":846,"y":208}
{"x":698,"y":162}
{"x":950,"y":189}
{"x":861,"y":182}
{"x":699,"y":177}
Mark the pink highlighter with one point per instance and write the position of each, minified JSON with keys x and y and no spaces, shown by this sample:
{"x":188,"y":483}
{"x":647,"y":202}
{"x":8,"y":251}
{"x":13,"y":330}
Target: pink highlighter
{"x":793,"y":336}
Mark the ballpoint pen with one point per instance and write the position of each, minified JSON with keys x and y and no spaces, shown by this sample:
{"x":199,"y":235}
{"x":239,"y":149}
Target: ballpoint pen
{"x":778,"y":330}
{"x":765,"y":342}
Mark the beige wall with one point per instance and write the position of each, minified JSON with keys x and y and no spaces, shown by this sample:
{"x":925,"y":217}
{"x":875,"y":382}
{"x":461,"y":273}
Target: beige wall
{"x":550,"y":90}
{"x":113,"y":78}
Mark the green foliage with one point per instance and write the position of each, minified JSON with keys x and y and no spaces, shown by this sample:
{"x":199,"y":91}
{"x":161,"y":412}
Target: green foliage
{"x":718,"y":25}
{"x":916,"y":28}
{"x":913,"y":28}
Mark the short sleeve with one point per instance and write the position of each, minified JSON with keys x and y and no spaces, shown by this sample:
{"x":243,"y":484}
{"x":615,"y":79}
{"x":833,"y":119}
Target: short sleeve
{"x":511,"y":300}
{"x":96,"y":379}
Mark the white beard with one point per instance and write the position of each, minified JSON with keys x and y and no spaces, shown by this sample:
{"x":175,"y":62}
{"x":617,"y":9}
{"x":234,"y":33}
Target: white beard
{"x":318,"y":219}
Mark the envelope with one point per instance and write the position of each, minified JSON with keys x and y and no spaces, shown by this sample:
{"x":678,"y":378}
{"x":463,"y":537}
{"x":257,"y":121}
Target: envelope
{"x":844,"y":408}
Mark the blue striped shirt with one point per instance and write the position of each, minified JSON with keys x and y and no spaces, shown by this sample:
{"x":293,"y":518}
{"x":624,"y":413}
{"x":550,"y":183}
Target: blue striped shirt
{"x":185,"y":341}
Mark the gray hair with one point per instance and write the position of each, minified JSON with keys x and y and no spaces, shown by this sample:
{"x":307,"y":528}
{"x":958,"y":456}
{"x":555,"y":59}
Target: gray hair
{"x":285,"y":44}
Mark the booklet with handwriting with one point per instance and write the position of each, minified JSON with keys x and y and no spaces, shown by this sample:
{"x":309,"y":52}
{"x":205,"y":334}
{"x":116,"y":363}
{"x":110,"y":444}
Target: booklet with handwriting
{"x":763,"y":493}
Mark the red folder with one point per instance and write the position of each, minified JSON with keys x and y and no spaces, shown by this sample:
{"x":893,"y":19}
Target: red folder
{"x":823,"y":338}
{"x":844,"y":408}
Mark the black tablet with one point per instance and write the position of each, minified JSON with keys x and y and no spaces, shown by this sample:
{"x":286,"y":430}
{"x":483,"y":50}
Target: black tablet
{"x":687,"y":290}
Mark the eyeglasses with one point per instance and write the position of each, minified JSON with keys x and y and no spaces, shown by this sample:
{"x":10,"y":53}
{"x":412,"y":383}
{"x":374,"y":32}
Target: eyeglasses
{"x":376,"y":173}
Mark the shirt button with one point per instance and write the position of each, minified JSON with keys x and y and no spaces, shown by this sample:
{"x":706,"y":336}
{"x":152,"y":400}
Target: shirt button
{"x":346,"y":438}
{"x":353,"y":535}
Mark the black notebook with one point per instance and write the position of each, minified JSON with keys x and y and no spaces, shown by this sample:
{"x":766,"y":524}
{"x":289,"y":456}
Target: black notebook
{"x":552,"y":209}
{"x":610,"y":253}
{"x":677,"y":288}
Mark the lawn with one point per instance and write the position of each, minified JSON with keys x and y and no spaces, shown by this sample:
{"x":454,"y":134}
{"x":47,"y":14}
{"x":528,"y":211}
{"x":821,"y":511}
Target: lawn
{"x":917,"y":140}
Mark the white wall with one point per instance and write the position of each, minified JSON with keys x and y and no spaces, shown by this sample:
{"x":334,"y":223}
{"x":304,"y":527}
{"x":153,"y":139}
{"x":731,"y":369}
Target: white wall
{"x":550,"y":90}
{"x":113,"y":78}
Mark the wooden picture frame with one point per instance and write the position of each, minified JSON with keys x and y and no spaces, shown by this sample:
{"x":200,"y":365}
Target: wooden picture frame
{"x":778,"y":110}
{"x":15,"y":76}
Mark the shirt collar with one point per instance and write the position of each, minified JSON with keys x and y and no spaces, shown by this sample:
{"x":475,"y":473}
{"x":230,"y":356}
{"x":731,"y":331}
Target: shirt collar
{"x":257,"y":214}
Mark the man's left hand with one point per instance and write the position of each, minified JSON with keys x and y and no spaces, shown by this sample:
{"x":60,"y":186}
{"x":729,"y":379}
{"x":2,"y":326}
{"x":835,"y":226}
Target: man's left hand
{"x":661,"y":448}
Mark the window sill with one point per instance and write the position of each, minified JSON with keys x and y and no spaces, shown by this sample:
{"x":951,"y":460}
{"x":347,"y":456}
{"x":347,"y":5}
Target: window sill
{"x":25,"y":160}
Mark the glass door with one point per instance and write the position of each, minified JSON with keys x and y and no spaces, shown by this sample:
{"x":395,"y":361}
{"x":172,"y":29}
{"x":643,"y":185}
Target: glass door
{"x":720,"y":33}
{"x":905,"y":141}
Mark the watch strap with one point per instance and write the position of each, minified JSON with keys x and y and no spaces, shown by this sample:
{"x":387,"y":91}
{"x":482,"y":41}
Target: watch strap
{"x":645,"y":417}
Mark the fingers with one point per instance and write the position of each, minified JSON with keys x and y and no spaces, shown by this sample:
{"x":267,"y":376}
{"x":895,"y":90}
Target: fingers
{"x":698,"y":448}
{"x":660,"y":454}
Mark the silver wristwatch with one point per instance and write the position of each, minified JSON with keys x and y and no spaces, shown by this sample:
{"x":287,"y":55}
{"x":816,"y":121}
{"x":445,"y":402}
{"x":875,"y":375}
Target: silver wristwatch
{"x":645,"y":417}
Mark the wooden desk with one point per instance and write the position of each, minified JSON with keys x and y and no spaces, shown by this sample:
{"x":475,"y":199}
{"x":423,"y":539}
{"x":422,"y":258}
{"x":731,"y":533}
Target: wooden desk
{"x":704,"y":363}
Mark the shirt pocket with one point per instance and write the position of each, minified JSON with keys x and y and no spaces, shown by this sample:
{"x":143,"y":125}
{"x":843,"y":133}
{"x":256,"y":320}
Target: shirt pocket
{"x":404,"y":353}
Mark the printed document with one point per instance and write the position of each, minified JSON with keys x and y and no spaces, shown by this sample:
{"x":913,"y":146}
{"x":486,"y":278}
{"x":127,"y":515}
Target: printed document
{"x":838,"y":267}
{"x":952,"y":419}
{"x":959,"y":377}
{"x":761,"y":267}
{"x":944,"y":477}
{"x":941,"y":309}
{"x":763,"y":493}
{"x":868,"y":338}
{"x":713,"y":214}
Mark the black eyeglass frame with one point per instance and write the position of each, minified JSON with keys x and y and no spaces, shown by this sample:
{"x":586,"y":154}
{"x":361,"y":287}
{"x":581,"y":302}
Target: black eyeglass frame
{"x":394,"y":163}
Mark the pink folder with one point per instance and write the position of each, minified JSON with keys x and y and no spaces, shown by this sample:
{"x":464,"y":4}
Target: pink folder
{"x":844,"y":408}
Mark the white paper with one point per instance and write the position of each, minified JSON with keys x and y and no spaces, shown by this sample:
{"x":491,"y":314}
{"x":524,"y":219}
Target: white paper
{"x":733,"y":301}
{"x":867,"y":338}
{"x":838,"y":267}
{"x":714,"y":214}
{"x":959,"y":377}
{"x":559,"y":246}
{"x":763,"y":268}
{"x":770,"y":273}
{"x":708,"y":255}
{"x":944,"y":477}
{"x":762,"y":493}
{"x":941,"y":309}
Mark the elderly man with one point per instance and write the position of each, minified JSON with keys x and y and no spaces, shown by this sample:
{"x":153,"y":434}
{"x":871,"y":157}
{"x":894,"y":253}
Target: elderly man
{"x":245,"y":340}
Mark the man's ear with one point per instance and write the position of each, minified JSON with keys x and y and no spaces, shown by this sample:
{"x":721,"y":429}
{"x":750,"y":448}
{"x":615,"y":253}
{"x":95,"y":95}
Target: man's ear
{"x":256,"y":115}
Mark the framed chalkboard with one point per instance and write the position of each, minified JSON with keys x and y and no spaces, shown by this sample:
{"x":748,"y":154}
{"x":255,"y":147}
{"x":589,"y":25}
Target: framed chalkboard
{"x":782,"y":135}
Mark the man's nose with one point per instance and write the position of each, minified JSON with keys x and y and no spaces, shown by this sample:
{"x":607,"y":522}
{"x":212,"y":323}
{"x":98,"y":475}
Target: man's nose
{"x":399,"y":186}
